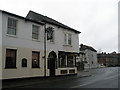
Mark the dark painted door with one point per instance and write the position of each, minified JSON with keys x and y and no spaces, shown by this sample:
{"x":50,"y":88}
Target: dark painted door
{"x":52,"y":67}
{"x":51,"y":63}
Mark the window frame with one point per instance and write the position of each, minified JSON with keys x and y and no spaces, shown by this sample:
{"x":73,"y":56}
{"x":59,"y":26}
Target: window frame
{"x":67,"y":38}
{"x":35,"y":33}
{"x":70,"y":39}
{"x":70,"y":61}
{"x":62,"y":60}
{"x":38,"y":66}
{"x":15,"y":59}
{"x":11,"y":27}
{"x":24,"y":63}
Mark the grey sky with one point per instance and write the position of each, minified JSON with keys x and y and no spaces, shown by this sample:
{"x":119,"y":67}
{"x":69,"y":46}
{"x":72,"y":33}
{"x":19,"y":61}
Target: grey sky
{"x":96,"y":19}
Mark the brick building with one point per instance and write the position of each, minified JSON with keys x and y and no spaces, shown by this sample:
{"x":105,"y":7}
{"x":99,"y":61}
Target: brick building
{"x":108,"y":59}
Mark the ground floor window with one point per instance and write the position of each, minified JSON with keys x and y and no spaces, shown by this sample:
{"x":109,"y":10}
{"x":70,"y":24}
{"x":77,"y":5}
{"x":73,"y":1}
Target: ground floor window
{"x":24,"y":62}
{"x":62,"y":59}
{"x":70,"y":61}
{"x":66,"y":59}
{"x":10,"y":58}
{"x":35,"y":59}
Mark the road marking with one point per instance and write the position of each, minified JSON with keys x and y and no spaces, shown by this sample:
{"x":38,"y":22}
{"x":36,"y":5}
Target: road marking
{"x":111,"y":77}
{"x":81,"y":85}
{"x":94,"y":81}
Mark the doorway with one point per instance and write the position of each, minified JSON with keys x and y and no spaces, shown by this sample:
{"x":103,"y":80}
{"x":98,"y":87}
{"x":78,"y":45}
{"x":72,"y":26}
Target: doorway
{"x":51,"y":63}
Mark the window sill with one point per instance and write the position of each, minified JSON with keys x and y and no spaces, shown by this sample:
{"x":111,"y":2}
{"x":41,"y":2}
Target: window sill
{"x":71,"y":66}
{"x":35,"y":67}
{"x":24,"y":67}
{"x":68,"y":45}
{"x":9,"y":35}
{"x":52,"y":42}
{"x":10,"y":67}
{"x":36,"y":40}
{"x":68,"y":67}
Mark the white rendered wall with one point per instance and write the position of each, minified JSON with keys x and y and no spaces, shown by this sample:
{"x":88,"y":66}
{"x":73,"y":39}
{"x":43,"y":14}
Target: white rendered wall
{"x":95,"y":60}
{"x":25,"y":45}
{"x":0,"y":46}
{"x":58,"y":45}
{"x":91,"y":56}
{"x":24,"y":35}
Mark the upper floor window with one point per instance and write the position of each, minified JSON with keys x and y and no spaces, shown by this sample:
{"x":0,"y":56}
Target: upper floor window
{"x":35,"y":32}
{"x":10,"y":58}
{"x":12,"y":26}
{"x":67,"y":39}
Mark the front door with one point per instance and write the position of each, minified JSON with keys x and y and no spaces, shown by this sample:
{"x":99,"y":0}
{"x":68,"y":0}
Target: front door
{"x":51,"y":63}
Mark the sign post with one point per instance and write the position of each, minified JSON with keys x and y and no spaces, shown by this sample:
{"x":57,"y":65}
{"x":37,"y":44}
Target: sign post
{"x":48,"y":32}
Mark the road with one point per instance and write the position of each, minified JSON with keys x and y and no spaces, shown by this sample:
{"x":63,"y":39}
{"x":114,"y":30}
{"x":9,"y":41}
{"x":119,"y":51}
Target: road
{"x":101,"y":78}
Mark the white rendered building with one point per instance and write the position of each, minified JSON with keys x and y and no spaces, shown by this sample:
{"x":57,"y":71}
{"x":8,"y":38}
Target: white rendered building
{"x":36,"y":46}
{"x":90,"y":56}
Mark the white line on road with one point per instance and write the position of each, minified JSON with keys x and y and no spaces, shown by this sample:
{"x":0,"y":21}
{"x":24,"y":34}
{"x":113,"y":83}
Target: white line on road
{"x":81,"y":85}
{"x":94,"y":81}
{"x":111,"y":77}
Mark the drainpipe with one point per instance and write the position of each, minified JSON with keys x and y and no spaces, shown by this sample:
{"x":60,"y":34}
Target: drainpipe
{"x":45,"y":50}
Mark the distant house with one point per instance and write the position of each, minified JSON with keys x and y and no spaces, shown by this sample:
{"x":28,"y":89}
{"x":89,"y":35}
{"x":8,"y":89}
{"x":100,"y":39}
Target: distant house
{"x":80,"y":60}
{"x":90,"y":56}
{"x":108,"y":59}
{"x":118,"y":59}
{"x":36,"y":46}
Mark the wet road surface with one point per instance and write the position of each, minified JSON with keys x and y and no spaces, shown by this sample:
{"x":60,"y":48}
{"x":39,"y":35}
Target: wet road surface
{"x":101,"y":78}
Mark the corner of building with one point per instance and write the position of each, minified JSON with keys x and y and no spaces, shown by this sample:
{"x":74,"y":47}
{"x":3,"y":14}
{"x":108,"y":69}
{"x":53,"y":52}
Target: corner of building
{"x":0,"y":49}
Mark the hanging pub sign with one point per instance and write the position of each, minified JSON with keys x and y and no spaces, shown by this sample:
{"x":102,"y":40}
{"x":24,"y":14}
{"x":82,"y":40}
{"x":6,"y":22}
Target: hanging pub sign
{"x":49,"y":31}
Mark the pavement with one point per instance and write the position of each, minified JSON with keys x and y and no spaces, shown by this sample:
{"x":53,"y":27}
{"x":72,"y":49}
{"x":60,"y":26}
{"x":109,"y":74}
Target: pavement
{"x":14,"y":83}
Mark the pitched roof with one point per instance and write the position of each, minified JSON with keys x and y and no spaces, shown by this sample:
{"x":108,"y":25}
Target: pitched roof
{"x":27,"y":19}
{"x":84,"y":47}
{"x":41,"y":18}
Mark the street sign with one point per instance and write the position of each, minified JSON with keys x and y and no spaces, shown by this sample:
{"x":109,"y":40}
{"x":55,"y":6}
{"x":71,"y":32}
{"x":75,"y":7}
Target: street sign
{"x":49,"y":32}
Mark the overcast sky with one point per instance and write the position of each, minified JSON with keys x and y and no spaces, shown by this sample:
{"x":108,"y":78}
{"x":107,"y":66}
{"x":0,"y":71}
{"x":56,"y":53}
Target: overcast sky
{"x":97,"y":20}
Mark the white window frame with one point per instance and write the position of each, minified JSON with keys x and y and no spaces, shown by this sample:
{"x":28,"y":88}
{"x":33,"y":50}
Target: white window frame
{"x":66,"y":39}
{"x":11,"y":27}
{"x":36,"y":33}
{"x":69,"y":38}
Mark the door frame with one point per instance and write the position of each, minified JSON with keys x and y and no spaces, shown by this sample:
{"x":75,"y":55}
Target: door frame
{"x":52,"y":57}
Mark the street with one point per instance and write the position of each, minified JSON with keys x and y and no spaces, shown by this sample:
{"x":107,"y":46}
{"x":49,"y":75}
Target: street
{"x":101,"y":78}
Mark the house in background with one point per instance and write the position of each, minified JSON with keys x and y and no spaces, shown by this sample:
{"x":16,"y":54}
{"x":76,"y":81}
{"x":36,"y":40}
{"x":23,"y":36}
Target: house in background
{"x":108,"y":59}
{"x":90,"y":60}
{"x":80,"y":61}
{"x":36,"y":46}
{"x":118,"y":59}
